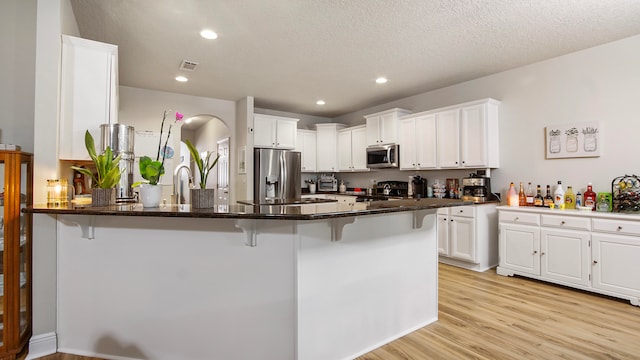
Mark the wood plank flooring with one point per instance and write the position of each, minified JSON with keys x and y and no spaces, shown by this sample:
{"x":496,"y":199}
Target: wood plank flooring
{"x":487,"y":316}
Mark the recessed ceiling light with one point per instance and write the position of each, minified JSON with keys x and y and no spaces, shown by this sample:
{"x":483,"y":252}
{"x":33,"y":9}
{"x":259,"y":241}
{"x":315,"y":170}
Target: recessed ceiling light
{"x":181,"y":78}
{"x":320,"y":102}
{"x":208,"y":34}
{"x":381,"y":80}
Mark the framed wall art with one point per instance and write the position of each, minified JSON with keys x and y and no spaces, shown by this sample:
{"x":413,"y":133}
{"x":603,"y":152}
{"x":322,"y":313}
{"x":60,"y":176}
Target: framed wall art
{"x":242,"y":160}
{"x":572,"y":140}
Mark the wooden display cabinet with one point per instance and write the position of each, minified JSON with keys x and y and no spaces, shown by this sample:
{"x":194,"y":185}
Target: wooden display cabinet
{"x":16,"y":174}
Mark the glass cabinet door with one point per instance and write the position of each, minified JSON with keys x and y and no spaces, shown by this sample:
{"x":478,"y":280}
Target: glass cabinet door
{"x":16,"y":181}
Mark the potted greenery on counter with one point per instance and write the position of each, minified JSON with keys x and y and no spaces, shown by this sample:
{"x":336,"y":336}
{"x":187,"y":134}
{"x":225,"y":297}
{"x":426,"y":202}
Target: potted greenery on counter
{"x":202,"y":198}
{"x":107,"y":173}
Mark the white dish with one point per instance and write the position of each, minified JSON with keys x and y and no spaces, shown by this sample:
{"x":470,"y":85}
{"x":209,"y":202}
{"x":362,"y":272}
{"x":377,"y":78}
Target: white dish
{"x":584,"y":208}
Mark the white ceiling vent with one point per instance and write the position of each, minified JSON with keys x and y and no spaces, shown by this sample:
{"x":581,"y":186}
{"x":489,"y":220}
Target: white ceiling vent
{"x":188,"y":65}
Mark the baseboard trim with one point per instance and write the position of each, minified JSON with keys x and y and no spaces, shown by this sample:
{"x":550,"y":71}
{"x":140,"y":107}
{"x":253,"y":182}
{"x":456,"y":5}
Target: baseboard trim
{"x":94,"y":354}
{"x":42,"y":345}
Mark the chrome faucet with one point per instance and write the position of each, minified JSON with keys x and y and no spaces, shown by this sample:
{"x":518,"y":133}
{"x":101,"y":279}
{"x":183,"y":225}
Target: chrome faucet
{"x":177,"y":189}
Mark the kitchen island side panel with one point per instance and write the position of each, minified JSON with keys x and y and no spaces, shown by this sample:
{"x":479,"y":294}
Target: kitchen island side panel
{"x":378,"y":283}
{"x":158,"y":288}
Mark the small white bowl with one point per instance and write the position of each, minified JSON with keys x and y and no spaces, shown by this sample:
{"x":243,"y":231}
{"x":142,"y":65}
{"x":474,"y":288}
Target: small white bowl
{"x":584,"y":208}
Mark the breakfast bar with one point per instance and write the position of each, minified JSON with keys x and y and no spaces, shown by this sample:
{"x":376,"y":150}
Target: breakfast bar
{"x":315,"y":281}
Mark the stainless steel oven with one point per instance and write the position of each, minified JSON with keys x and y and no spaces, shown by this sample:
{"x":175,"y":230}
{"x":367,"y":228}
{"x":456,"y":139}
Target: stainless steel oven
{"x":383,"y":156}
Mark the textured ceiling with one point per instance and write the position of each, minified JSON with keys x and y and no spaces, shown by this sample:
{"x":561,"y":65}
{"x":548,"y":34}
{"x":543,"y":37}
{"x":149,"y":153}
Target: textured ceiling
{"x":290,"y":53}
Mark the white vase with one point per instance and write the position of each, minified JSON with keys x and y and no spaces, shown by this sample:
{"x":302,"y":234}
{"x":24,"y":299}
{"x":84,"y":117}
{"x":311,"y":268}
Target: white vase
{"x":150,"y":195}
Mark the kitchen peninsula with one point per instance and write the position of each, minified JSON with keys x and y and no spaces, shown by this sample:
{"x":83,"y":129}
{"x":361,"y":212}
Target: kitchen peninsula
{"x":318,"y":281}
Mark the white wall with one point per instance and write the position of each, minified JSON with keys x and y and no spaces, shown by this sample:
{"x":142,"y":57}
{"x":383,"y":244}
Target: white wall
{"x":597,"y":84}
{"x":206,"y":139}
{"x":17,"y":71}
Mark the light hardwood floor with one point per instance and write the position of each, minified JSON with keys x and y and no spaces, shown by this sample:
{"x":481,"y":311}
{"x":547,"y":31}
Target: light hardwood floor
{"x":487,"y":316}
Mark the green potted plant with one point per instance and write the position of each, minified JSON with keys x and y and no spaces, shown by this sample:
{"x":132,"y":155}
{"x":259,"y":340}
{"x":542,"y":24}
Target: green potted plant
{"x":107,"y":173}
{"x":202,"y":197}
{"x":152,"y":170}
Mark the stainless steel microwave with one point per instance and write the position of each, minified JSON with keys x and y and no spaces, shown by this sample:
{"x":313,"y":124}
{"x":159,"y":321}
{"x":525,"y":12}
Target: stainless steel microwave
{"x":383,"y":156}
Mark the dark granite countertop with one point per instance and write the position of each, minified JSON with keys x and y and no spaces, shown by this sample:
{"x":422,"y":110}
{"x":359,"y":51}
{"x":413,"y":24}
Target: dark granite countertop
{"x":289,"y":212}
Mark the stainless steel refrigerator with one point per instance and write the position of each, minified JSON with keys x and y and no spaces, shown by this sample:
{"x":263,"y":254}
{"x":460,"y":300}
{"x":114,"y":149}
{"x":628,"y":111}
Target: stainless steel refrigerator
{"x":276,"y":176}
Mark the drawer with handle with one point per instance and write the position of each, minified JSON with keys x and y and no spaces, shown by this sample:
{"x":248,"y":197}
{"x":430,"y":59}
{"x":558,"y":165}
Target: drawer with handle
{"x":616,"y":226}
{"x":519,"y":218}
{"x":566,"y":222}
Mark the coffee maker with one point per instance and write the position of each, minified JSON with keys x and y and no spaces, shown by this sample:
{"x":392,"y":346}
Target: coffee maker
{"x":476,"y":188}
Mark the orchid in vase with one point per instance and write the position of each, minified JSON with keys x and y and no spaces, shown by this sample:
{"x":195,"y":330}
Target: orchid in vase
{"x":152,"y":170}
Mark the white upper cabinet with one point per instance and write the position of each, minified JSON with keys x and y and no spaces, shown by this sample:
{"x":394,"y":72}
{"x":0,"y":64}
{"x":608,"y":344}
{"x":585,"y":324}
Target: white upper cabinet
{"x":352,"y":149}
{"x":418,"y":142}
{"x":327,"y":146}
{"x":306,"y":144}
{"x":274,"y":131}
{"x":88,"y":93}
{"x":382,"y":127}
{"x":463,"y":135}
{"x":448,"y":123}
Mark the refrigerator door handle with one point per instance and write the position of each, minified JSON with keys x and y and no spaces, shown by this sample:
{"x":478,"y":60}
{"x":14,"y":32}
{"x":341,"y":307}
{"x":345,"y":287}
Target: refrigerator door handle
{"x":283,"y":174}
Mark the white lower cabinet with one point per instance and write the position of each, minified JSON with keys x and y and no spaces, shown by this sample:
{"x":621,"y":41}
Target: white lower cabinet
{"x":467,"y":236}
{"x":596,"y":252}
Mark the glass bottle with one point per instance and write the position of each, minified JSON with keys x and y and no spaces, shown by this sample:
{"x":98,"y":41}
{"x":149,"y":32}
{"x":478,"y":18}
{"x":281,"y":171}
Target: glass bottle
{"x":569,"y":199}
{"x":603,"y":204}
{"x":522,"y":198}
{"x":538,"y":200}
{"x":529,"y":195}
{"x":512,"y":196}
{"x":558,"y":196}
{"x":548,"y":199}
{"x":589,"y":197}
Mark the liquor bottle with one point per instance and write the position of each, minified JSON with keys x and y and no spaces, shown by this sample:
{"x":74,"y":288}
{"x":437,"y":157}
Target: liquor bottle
{"x":538,"y":200}
{"x":578,"y":199}
{"x":512,"y":196}
{"x":548,"y":199}
{"x":558,"y":196}
{"x":569,"y":199}
{"x":603,"y":204}
{"x":530,"y":195}
{"x":522,"y":198}
{"x":589,"y":197}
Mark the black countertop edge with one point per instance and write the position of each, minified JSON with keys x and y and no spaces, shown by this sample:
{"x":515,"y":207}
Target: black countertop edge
{"x":290,"y":212}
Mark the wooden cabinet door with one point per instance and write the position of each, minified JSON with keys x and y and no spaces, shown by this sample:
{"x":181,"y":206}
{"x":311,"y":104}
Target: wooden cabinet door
{"x":443,"y":234}
{"x":565,"y":255}
{"x":407,"y":142}
{"x":614,"y":263}
{"x":264,"y":132}
{"x":519,"y":247}
{"x":462,"y":238}
{"x":425,"y":142}
{"x":448,"y":135}
{"x":359,"y":148}
{"x":286,"y":134}
{"x":344,"y":150}
{"x":473,"y":136}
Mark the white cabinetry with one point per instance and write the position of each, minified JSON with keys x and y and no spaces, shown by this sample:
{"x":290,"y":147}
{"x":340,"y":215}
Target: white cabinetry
{"x":418,"y":142}
{"x":327,"y":146}
{"x":589,"y":251}
{"x":448,"y":138}
{"x":274,"y":131}
{"x":88,"y":93}
{"x":352,"y":149}
{"x":479,"y":135}
{"x":382,"y":127}
{"x":306,"y":144}
{"x":467,"y":236}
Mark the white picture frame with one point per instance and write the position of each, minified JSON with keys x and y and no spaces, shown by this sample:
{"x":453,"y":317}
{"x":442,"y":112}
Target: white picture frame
{"x":573,"y":140}
{"x":242,"y":160}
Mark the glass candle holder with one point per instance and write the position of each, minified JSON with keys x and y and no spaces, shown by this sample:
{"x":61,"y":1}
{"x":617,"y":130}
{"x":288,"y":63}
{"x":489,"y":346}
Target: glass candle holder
{"x":57,"y":193}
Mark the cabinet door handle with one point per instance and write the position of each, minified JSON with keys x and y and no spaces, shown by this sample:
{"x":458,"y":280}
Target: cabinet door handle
{"x":542,"y":253}
{"x":619,"y":228}
{"x":535,"y":252}
{"x":444,"y":219}
{"x":516,"y":219}
{"x":451,"y":220}
{"x":595,"y":262}
{"x":461,"y":211}
{"x":562,"y":222}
